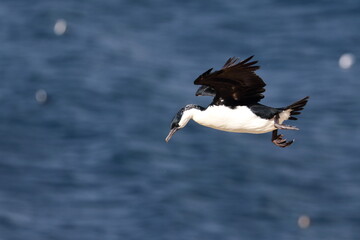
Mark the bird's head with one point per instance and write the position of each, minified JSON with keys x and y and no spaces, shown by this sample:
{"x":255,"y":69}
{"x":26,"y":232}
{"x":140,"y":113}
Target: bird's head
{"x":181,"y":118}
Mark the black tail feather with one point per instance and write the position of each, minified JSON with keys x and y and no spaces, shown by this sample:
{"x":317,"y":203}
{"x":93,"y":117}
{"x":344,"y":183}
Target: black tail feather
{"x":297,"y":107}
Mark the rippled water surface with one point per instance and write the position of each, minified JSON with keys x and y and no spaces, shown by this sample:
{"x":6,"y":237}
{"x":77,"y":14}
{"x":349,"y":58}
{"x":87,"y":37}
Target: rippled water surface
{"x":87,"y":92}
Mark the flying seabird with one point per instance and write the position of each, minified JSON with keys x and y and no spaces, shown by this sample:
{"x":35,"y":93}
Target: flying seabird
{"x":237,"y":91}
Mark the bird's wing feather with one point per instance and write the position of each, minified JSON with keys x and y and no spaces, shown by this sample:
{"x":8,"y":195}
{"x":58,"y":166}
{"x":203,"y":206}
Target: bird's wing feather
{"x":235,"y":84}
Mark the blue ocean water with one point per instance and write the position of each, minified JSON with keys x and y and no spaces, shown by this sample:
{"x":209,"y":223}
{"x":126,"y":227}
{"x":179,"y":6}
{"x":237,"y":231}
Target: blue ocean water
{"x":90,"y":162}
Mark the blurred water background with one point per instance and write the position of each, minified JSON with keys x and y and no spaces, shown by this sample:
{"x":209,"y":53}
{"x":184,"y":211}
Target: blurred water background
{"x":87,"y":92}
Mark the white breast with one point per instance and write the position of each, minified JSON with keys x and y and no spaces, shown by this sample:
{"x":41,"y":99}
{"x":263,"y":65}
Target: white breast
{"x":241,"y":120}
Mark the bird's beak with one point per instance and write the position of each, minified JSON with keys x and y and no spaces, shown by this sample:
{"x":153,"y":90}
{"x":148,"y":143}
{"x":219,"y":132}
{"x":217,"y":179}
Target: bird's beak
{"x":171,"y":133}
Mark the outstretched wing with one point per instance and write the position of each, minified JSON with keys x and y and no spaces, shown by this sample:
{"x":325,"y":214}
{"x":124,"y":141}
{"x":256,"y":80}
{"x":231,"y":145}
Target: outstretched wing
{"x":235,"y":84}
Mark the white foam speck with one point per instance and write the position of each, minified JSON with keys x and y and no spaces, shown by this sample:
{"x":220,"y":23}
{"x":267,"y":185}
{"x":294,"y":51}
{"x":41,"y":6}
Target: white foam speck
{"x":41,"y":96}
{"x":304,"y":221}
{"x":346,"y":60}
{"x":60,"y":27}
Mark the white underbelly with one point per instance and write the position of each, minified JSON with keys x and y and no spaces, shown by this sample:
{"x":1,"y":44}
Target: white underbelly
{"x":240,"y":120}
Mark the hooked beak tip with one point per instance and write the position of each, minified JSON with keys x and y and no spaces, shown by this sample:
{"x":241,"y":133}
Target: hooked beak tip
{"x":171,"y":133}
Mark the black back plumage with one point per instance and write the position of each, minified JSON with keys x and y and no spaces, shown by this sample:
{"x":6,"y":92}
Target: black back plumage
{"x":235,"y":84}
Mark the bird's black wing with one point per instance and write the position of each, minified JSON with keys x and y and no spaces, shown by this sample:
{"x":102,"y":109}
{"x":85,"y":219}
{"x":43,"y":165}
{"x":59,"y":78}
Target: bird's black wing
{"x":205,"y":91}
{"x":235,"y":84}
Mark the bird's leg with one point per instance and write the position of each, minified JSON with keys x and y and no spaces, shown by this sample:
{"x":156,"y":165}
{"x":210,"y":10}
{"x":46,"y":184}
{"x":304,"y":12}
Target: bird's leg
{"x":283,"y":126}
{"x":279,"y":141}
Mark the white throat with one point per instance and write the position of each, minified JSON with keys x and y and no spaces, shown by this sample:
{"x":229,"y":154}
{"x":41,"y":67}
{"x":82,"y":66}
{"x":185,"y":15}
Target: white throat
{"x":187,"y":116}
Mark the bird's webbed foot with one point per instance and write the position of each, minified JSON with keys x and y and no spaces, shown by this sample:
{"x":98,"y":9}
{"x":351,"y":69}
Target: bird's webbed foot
{"x":279,"y":141}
